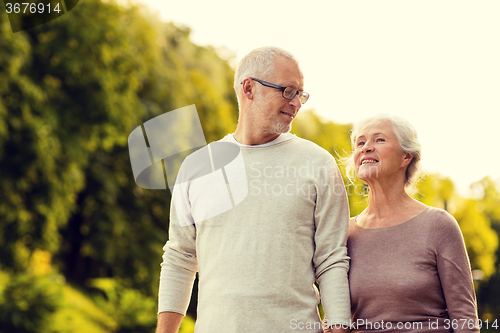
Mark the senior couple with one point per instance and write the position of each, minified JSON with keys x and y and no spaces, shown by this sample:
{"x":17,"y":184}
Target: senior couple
{"x":399,"y":266}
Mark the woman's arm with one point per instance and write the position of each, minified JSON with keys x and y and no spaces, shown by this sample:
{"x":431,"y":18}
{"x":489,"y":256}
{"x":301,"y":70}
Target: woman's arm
{"x":455,"y":274}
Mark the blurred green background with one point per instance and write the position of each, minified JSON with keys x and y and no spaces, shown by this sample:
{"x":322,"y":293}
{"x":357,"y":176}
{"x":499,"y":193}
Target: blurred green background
{"x":80,"y":243}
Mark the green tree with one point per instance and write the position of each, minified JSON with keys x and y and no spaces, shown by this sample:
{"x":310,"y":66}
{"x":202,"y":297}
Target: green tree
{"x":71,"y":91}
{"x":489,"y":203}
{"x":480,"y":239}
{"x":111,"y":206}
{"x":436,"y":190}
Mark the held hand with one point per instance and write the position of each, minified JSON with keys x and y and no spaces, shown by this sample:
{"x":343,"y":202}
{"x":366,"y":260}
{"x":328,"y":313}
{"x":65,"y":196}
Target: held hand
{"x":325,"y":327}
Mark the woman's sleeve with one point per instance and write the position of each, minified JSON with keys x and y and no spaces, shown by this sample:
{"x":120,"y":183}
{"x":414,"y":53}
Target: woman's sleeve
{"x":455,"y":273}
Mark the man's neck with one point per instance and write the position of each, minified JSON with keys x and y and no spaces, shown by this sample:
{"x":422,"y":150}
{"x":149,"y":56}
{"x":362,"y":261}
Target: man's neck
{"x":253,"y":138}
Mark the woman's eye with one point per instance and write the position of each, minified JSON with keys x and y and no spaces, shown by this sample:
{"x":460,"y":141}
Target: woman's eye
{"x":361,"y":143}
{"x":379,"y":140}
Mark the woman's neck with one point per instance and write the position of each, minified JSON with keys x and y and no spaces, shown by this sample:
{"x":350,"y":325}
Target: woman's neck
{"x":388,"y":204}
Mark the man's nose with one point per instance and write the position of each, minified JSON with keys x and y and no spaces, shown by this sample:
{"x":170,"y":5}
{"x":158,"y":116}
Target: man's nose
{"x":295,"y":101}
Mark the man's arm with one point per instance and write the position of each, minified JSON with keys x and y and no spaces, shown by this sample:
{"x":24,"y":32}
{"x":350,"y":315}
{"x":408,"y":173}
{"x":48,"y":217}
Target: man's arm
{"x":331,"y":262}
{"x":169,"y":322}
{"x":178,"y":268}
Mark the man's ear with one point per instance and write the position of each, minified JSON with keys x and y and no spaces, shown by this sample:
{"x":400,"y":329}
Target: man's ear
{"x":407,"y":159}
{"x":247,"y":88}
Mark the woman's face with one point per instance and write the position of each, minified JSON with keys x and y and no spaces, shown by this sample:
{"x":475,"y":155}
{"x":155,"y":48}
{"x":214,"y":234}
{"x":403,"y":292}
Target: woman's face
{"x":377,"y":153}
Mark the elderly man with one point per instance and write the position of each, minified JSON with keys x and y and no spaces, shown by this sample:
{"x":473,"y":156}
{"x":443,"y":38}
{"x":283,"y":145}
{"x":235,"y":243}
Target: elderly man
{"x":258,"y":262}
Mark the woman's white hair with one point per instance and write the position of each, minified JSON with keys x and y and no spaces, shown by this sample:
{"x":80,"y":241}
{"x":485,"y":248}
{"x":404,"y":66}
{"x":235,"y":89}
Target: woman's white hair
{"x":259,"y":64}
{"x":407,"y":139}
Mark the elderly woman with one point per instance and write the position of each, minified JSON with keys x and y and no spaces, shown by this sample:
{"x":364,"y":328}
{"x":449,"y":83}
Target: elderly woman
{"x":409,"y":268}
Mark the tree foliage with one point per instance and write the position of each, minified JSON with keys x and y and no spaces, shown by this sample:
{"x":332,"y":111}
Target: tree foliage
{"x":488,"y":203}
{"x":70,"y":93}
{"x":481,"y":239}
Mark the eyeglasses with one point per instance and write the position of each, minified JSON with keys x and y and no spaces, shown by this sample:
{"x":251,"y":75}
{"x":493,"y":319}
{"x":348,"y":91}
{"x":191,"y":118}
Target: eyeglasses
{"x":287,"y":92}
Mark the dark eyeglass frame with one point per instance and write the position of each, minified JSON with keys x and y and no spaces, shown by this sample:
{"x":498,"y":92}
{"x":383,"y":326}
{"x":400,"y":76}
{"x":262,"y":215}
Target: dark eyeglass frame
{"x":303,"y":96}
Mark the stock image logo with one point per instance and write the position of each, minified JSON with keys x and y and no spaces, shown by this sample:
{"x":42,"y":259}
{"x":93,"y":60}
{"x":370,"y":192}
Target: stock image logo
{"x":170,"y":151}
{"x":26,"y":14}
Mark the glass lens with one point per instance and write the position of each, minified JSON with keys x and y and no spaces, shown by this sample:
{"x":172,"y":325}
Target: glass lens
{"x":304,"y":97}
{"x":289,"y":93}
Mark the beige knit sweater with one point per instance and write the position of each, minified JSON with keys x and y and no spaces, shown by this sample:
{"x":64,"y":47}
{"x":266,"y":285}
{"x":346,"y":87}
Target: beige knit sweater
{"x":258,"y":261}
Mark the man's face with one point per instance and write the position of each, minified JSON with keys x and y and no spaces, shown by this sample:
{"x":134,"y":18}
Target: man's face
{"x":271,"y":111}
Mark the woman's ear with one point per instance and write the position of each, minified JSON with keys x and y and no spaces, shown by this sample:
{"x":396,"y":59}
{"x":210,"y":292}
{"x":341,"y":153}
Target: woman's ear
{"x":407,"y":159}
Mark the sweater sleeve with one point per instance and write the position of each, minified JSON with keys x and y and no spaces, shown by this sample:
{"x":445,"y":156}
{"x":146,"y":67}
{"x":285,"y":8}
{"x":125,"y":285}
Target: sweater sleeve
{"x":455,"y":273}
{"x":179,"y":264}
{"x":331,"y":262}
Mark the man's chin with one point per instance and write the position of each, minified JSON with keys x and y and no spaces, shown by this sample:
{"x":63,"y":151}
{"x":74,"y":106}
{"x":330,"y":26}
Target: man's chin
{"x":279,"y":128}
{"x":281,"y":131}
{"x":285,"y":128}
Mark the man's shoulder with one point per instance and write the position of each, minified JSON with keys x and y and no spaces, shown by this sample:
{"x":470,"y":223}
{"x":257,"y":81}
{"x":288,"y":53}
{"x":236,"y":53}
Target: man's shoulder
{"x":227,"y":138}
{"x":312,"y":147}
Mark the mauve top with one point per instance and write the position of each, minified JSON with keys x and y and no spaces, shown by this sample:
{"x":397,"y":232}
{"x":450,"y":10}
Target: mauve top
{"x":411,"y":277}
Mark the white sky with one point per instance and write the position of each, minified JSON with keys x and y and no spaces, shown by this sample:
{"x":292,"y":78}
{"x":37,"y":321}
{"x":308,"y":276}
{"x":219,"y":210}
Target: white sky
{"x":435,"y":63}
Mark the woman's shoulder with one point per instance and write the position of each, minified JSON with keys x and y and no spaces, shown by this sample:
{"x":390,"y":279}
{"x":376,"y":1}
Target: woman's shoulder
{"x":439,"y":215}
{"x":443,"y":223}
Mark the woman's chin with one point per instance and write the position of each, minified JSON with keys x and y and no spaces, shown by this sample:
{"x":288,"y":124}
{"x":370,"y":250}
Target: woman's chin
{"x":366,"y":174}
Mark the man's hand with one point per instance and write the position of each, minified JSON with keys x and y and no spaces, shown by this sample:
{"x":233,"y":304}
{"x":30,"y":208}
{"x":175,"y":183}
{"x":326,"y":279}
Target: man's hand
{"x":169,"y":322}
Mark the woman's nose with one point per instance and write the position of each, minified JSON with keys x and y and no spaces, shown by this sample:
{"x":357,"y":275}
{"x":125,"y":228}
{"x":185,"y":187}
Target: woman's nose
{"x":367,"y":148}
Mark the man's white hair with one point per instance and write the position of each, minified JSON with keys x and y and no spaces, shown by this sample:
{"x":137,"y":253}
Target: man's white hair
{"x":259,"y":64}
